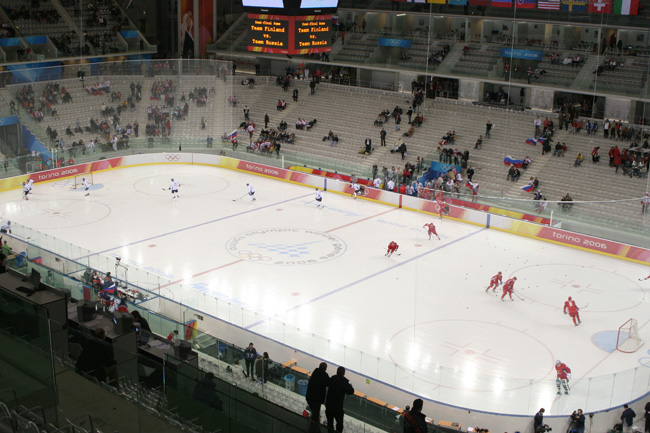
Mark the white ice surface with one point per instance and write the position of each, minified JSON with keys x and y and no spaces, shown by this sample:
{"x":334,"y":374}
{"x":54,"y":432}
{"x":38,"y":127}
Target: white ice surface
{"x":324,"y":271}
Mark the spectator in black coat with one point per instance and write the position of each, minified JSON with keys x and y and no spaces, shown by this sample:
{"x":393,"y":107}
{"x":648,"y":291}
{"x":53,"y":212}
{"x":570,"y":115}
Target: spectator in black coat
{"x":338,"y":388}
{"x":414,"y":419}
{"x":144,"y":325}
{"x":315,"y":396}
{"x":539,"y":420}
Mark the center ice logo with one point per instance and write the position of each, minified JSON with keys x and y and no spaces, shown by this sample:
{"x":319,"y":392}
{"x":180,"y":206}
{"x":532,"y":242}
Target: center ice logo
{"x":286,"y":246}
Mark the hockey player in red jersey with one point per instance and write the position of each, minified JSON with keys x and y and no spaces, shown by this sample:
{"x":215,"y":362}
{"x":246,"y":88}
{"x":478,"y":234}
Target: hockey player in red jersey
{"x":508,"y":287}
{"x":431,"y":230}
{"x":563,"y":376}
{"x":572,"y":309}
{"x":392,"y":247}
{"x":441,"y":207}
{"x":495,"y":281}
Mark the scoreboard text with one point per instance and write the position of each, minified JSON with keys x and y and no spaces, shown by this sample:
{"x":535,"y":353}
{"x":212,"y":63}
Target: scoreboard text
{"x":288,"y":34}
{"x":313,"y":33}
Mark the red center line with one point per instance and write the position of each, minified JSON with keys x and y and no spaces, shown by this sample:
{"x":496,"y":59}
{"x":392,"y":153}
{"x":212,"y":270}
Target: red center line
{"x":241,"y":260}
{"x":201,"y":273}
{"x":361,"y":220}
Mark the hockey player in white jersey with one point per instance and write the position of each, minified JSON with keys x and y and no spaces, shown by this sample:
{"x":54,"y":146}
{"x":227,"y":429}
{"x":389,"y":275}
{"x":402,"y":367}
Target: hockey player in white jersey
{"x":25,"y":190}
{"x":251,"y":191}
{"x":30,"y":185}
{"x":174,"y":188}
{"x":86,"y":185}
{"x":319,"y":199}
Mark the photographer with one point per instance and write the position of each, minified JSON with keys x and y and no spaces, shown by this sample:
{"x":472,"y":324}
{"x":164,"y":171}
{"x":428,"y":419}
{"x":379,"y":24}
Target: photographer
{"x":577,"y":422}
{"x":538,"y":424}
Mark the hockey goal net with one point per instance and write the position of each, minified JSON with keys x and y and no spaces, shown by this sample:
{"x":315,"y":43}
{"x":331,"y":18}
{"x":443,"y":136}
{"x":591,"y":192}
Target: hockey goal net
{"x":628,"y":339}
{"x":78,"y":180}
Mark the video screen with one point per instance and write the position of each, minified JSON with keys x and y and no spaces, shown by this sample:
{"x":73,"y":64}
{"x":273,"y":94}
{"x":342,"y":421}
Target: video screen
{"x":263,"y":3}
{"x":318,"y":4}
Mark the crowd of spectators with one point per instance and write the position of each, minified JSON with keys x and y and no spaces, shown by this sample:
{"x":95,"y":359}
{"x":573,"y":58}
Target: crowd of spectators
{"x":34,"y":13}
{"x":162,"y":89}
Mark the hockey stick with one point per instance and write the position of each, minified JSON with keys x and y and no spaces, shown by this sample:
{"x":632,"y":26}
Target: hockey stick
{"x":165,"y":189}
{"x":310,"y":201}
{"x":586,"y":305}
{"x":240,"y":197}
{"x":517,"y":295}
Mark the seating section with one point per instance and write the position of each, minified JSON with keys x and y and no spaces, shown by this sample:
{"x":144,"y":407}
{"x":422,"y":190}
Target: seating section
{"x":478,"y":60}
{"x":416,"y":56}
{"x":357,"y":47}
{"x":628,"y":74}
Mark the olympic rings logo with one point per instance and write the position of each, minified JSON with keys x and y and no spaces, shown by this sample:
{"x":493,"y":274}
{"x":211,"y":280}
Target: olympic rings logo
{"x":253,"y":257}
{"x":172,"y":156}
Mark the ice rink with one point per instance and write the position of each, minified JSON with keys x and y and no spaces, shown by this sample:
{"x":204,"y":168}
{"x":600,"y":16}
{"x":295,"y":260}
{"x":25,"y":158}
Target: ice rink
{"x":323,"y":270}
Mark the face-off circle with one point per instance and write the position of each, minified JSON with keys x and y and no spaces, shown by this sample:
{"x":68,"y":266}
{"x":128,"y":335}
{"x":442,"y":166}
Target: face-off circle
{"x":286,"y":246}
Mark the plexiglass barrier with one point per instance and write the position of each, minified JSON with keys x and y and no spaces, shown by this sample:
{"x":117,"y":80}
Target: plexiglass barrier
{"x":171,"y":306}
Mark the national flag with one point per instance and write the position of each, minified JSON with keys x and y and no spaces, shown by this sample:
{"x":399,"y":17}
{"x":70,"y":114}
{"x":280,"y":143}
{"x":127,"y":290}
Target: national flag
{"x":531,"y":141}
{"x":191,"y":330}
{"x":472,"y":186}
{"x":501,"y":3}
{"x":625,"y":7}
{"x":600,"y":7}
{"x":528,"y":188}
{"x":541,"y":140}
{"x":440,"y":2}
{"x":525,"y":4}
{"x":550,"y":5}
{"x":479,"y":2}
{"x":574,"y":6}
{"x":458,"y":2}
{"x":511,"y":161}
{"x":232,"y":134}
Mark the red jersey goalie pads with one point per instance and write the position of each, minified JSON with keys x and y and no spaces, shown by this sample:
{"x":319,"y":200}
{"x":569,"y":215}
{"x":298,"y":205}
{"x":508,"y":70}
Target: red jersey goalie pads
{"x":563,"y":376}
{"x":392,"y":247}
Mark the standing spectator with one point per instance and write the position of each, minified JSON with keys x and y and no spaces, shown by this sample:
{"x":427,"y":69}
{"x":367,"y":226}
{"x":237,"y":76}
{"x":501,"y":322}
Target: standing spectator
{"x":295,"y":95}
{"x":382,"y":136}
{"x":470,"y":173}
{"x":262,"y":367}
{"x":205,"y":392}
{"x":339,"y":386}
{"x":250,"y":355}
{"x":312,"y":86}
{"x":645,"y":202}
{"x":315,"y":395}
{"x":409,"y":113}
{"x":627,"y":418}
{"x":266,"y":120}
{"x":414,"y":419}
{"x":488,"y":128}
{"x":538,"y":125}
{"x":539,"y":420}
{"x":647,"y":417}
{"x":246,"y":113}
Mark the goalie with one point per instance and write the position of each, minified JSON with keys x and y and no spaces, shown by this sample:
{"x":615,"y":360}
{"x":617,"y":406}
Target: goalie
{"x":563,"y":377}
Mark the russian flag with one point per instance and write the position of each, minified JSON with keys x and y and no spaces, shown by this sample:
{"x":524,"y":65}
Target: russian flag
{"x":541,"y":140}
{"x":528,"y":188}
{"x":472,"y":186}
{"x":531,"y":141}
{"x":232,"y":134}
{"x":525,"y":4}
{"x":501,"y":3}
{"x":511,"y":161}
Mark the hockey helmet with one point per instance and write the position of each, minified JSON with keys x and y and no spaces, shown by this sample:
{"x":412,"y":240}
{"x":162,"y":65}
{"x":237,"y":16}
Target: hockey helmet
{"x":499,"y":272}
{"x":569,"y":298}
{"x":514,"y":278}
{"x":558,"y":362}
{"x":172,"y":179}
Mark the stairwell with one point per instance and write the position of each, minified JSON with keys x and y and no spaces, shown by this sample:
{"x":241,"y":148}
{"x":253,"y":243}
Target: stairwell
{"x":65,"y":17}
{"x":455,"y":53}
{"x":586,"y":75}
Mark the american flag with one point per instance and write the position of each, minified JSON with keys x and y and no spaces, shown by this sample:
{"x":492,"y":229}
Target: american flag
{"x":549,"y":5}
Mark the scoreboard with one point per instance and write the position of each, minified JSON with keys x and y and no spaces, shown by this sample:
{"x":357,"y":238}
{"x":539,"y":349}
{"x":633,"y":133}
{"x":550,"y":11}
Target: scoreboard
{"x":313,"y":33}
{"x":289,"y":34}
